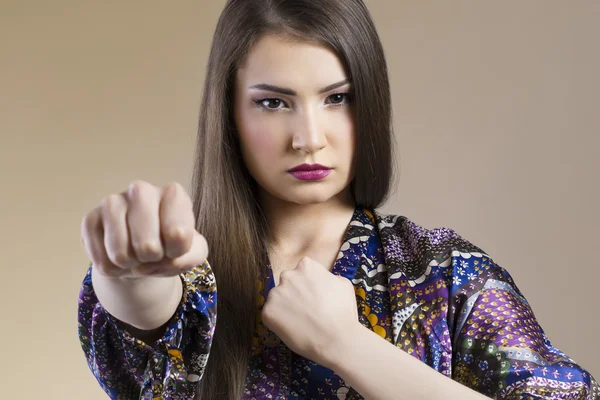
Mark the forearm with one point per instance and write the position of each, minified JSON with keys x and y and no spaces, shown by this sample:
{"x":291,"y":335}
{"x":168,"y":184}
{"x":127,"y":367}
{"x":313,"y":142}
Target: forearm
{"x":379,"y":370}
{"x":144,"y":303}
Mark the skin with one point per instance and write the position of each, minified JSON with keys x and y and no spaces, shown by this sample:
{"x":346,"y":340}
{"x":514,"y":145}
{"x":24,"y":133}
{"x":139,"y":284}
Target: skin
{"x":280,"y":131}
{"x":135,"y":276}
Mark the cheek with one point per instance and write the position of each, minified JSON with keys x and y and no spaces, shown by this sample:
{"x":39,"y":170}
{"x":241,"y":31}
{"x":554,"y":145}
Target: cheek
{"x":261,"y":140}
{"x":343,"y":137}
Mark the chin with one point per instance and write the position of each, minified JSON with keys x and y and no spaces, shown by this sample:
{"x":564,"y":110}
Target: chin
{"x":308,"y":195}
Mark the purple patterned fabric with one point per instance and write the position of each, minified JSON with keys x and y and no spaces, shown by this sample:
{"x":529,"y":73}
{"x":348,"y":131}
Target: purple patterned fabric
{"x":429,"y":292}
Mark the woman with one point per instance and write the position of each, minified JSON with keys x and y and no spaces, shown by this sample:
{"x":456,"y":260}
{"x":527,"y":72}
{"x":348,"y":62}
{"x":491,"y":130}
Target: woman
{"x":319,"y":296}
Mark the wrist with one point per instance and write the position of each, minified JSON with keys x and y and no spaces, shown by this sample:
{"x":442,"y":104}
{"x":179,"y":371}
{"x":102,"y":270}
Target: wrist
{"x":340,"y":353}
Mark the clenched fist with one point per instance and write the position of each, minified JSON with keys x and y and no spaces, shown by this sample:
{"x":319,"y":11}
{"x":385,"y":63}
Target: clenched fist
{"x":144,"y":231}
{"x":311,"y":310}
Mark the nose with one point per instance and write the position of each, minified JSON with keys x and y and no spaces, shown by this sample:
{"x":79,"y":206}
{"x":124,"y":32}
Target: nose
{"x":309,"y":135}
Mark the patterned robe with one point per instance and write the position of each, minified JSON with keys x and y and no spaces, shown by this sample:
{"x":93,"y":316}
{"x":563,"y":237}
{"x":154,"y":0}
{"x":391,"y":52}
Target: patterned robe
{"x":429,"y":292}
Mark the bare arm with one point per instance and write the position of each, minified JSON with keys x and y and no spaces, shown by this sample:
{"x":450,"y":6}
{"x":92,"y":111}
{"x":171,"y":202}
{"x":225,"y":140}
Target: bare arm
{"x":391,"y":373}
{"x":144,"y":304}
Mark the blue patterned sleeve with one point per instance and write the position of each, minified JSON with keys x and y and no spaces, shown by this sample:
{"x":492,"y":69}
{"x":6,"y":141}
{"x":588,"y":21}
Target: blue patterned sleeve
{"x":127,"y":368}
{"x":458,"y":311}
{"x":499,"y":347}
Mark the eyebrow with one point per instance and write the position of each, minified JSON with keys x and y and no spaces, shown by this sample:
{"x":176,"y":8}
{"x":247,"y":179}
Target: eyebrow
{"x":290,"y":92}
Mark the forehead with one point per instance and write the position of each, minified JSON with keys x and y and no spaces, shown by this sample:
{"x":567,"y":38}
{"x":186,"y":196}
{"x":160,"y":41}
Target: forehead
{"x":292,"y":63}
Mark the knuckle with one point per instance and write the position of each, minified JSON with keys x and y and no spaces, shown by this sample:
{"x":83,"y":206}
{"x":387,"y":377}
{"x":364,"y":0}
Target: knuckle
{"x":173,"y":187}
{"x":137,"y":183}
{"x":148,"y":250}
{"x":267,"y":312}
{"x":120,"y":258}
{"x":110,"y":203}
{"x":304,"y":263}
{"x":175,"y":192}
{"x":178,"y":234}
{"x":284,"y":275}
{"x":273,"y":295}
{"x":138,"y":187}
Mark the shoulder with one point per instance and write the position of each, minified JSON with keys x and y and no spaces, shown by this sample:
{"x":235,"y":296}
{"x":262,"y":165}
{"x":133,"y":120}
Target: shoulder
{"x":408,"y":240}
{"x":420,"y":255}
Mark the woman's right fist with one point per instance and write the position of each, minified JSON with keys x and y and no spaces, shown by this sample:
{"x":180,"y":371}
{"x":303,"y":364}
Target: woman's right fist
{"x":144,"y":231}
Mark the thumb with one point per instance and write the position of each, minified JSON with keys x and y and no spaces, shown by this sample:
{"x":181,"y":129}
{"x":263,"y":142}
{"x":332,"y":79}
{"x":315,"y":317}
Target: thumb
{"x":197,"y":254}
{"x":170,"y":267}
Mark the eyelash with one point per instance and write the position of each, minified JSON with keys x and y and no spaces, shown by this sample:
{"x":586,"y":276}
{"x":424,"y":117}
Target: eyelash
{"x":259,"y":102}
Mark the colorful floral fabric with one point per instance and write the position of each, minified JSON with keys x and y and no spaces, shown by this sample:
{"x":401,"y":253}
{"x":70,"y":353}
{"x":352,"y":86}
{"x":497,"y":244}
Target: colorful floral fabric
{"x":429,"y":292}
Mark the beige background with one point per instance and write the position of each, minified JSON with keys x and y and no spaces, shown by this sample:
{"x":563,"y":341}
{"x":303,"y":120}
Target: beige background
{"x":496,"y":116}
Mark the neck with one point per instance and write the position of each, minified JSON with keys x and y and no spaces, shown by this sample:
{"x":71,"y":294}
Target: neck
{"x":294,"y":228}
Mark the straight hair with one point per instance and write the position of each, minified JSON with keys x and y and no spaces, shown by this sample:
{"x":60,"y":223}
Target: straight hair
{"x":224,"y":194}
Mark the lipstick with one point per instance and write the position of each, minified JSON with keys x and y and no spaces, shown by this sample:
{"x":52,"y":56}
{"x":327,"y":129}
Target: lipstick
{"x":310,"y":172}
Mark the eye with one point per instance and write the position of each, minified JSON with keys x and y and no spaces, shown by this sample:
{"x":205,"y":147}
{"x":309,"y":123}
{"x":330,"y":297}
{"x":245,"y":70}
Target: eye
{"x":338,"y":98}
{"x":270,"y":104}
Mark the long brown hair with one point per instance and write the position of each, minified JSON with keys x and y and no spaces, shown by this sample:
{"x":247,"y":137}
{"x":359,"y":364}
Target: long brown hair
{"x":224,"y":194}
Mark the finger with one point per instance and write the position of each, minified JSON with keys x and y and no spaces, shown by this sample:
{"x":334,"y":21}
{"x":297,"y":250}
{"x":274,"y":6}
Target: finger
{"x":177,"y":221}
{"x":116,"y":237}
{"x":143,"y":221}
{"x":305,"y":262}
{"x":166,"y":267}
{"x":310,"y":266}
{"x":285,"y":276}
{"x":92,"y":235}
{"x":270,"y":308}
{"x":346,"y":282}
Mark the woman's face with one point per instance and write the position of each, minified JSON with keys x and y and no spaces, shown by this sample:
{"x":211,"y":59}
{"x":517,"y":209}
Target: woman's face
{"x":292,"y":107}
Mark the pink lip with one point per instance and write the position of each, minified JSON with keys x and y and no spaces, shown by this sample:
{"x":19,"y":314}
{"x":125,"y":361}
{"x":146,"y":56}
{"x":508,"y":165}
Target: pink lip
{"x":309,"y":172}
